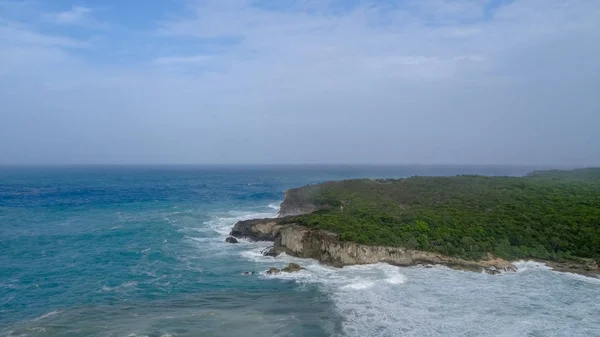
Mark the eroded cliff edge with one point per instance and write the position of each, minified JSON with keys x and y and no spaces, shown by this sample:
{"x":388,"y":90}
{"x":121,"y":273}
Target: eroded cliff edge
{"x":297,"y":201}
{"x":325,"y":247}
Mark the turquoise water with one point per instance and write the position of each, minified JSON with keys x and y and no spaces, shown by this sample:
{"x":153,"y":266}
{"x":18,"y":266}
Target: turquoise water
{"x":139,"y":251}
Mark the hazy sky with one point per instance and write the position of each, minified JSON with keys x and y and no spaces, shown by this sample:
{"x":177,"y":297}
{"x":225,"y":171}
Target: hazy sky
{"x":306,"y":81}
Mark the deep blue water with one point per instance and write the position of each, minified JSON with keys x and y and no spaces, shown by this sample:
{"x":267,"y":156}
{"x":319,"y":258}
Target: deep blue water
{"x":134,"y":251}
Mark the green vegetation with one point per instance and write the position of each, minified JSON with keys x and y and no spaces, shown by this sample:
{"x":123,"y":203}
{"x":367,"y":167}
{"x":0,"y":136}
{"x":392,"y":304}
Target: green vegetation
{"x":552,"y":215}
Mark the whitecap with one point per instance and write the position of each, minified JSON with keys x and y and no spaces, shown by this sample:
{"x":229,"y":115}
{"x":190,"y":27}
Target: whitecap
{"x":221,"y":225}
{"x":120,"y":287}
{"x":529,"y":265}
{"x":525,"y":265}
{"x":359,"y":285}
{"x":398,"y":279}
{"x":46,"y":315}
{"x":37,"y":329}
{"x":579,"y":277}
{"x":255,"y":253}
{"x":10,"y":333}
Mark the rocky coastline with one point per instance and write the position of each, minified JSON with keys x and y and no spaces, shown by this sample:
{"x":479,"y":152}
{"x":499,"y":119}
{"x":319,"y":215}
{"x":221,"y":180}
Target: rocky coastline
{"x":325,"y":247}
{"x":303,"y":242}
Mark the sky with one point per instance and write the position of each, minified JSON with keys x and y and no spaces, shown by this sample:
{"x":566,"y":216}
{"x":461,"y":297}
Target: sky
{"x":304,"y":81}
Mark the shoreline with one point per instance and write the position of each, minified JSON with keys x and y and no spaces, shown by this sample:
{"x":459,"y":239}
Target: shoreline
{"x":324,"y":247}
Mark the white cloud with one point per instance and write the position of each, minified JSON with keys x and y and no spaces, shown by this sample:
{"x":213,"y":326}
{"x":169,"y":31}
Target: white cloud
{"x":423,"y":82}
{"x":75,"y":15}
{"x":181,"y":60}
{"x":373,"y":34}
{"x":12,"y":33}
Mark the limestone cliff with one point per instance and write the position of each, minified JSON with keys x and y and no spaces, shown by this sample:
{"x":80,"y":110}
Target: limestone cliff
{"x":257,"y":229}
{"x":325,"y":247}
{"x":298,"y":201}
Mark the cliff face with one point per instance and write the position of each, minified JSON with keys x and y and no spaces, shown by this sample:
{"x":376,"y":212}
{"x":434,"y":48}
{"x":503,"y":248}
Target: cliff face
{"x":325,"y":247}
{"x":297,"y":201}
{"x":257,"y":229}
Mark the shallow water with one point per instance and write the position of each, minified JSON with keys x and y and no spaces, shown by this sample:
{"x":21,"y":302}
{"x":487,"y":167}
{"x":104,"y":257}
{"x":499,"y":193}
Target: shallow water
{"x":110,"y":251}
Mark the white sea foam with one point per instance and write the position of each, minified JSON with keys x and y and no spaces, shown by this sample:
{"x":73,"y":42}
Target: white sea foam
{"x":578,"y":277}
{"x":121,"y":287}
{"x":37,"y":329}
{"x":350,"y":277}
{"x":359,"y":285}
{"x":533,"y":265}
{"x":384,"y":300}
{"x":210,"y":237}
{"x":398,"y":279}
{"x":222,"y":224}
{"x":46,"y":315}
{"x":528,"y":265}
{"x":254,"y":251}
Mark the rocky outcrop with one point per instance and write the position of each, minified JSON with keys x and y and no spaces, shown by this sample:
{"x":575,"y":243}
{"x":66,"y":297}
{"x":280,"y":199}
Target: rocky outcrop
{"x":587,"y":267}
{"x":290,"y":268}
{"x":257,"y":229}
{"x":325,"y":247}
{"x":273,"y":271}
{"x":231,"y":239}
{"x":298,"y":201}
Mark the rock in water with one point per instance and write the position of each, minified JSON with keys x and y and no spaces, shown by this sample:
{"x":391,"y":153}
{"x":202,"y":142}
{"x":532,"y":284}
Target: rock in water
{"x":269,"y":252}
{"x":273,"y":271}
{"x":292,"y":267}
{"x":231,"y":239}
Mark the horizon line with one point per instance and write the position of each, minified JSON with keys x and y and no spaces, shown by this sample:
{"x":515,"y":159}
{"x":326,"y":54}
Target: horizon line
{"x":285,"y":164}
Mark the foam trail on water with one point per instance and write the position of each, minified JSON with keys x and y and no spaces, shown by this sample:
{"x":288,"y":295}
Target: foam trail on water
{"x":211,"y":236}
{"x":527,"y":266}
{"x":46,"y":315}
{"x":221,"y":224}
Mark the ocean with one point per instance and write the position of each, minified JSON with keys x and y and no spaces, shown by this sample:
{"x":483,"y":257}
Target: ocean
{"x":140,"y":251}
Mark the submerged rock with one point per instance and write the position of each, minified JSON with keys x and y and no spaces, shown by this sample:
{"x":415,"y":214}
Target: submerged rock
{"x":231,"y":239}
{"x":292,"y":267}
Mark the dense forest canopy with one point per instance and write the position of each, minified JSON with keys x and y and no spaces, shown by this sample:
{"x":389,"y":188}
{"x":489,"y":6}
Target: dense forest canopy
{"x":551,"y":215}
